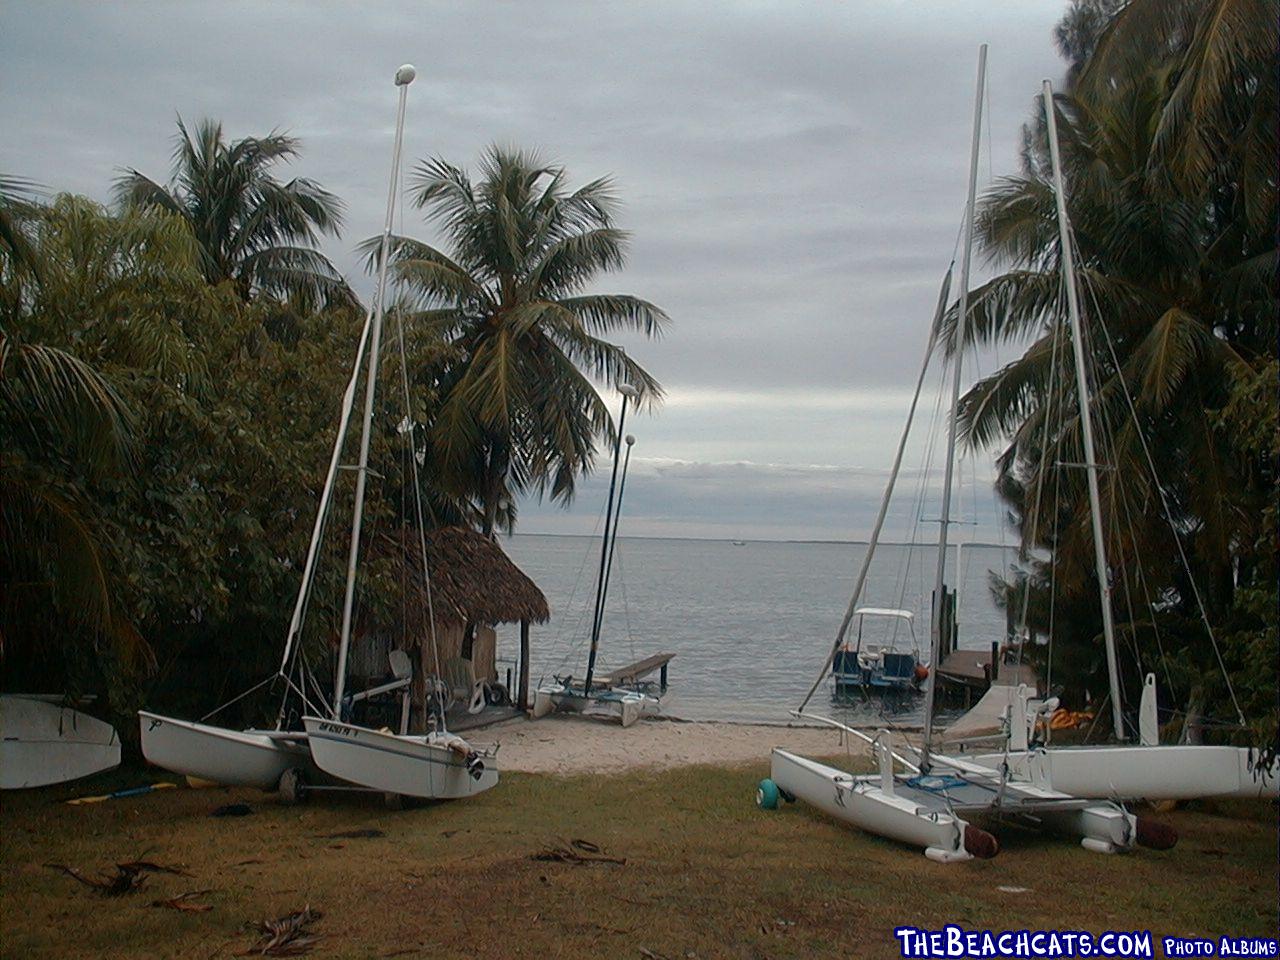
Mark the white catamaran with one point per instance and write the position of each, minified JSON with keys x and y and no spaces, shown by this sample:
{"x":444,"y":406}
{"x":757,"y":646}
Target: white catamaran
{"x":437,"y":765}
{"x":566,"y":693}
{"x":1149,"y":770}
{"x":928,"y":804}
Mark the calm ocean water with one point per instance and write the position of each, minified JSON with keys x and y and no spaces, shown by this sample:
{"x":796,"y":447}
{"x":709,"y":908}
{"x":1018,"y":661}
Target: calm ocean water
{"x":750,"y":625}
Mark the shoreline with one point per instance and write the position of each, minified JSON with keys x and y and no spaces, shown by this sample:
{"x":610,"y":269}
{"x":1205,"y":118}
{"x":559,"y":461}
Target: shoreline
{"x":568,"y":745}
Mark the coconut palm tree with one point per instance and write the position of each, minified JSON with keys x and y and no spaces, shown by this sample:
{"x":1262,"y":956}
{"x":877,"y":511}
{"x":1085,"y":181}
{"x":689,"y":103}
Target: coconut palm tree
{"x":518,"y":411}
{"x":253,"y":230}
{"x":1179,"y":305}
{"x":1215,"y":61}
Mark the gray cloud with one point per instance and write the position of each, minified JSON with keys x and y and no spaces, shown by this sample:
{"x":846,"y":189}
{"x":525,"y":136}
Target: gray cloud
{"x":793,"y":173}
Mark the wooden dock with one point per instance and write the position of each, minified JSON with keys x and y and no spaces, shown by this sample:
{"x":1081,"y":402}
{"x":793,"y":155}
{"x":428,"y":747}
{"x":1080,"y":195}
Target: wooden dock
{"x":973,"y":668}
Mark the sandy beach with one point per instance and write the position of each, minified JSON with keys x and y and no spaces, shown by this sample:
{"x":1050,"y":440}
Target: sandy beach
{"x":565,"y":744}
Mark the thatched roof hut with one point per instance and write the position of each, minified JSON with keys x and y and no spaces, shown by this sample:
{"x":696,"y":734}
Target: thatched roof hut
{"x":474,"y":587}
{"x":473,"y":581}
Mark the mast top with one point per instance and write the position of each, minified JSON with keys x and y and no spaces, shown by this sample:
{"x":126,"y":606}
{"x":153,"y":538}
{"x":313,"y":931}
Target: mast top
{"x":405,"y":75}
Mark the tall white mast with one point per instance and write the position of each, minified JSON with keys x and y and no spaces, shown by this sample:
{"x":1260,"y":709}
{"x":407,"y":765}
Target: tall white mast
{"x":1086,"y":422}
{"x":957,"y":353}
{"x":404,"y":77}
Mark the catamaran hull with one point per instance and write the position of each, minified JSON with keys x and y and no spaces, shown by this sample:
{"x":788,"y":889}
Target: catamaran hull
{"x":240,"y":758}
{"x":1173,"y":772}
{"x":410,"y":766}
{"x":628,"y":706}
{"x":45,"y":743}
{"x":859,"y":800}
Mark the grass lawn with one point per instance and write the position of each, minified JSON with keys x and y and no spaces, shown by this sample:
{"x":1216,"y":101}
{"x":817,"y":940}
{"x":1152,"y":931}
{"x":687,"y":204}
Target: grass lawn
{"x":706,"y":875}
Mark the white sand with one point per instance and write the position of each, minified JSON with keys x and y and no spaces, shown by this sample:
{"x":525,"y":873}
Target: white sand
{"x":567,"y":744}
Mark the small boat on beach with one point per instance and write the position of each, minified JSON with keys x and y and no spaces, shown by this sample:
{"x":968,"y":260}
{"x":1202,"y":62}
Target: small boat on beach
{"x":44,"y":740}
{"x":438,"y":765}
{"x":620,"y":694}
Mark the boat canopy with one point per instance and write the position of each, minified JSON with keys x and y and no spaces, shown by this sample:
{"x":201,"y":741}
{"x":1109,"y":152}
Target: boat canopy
{"x":884,"y":612}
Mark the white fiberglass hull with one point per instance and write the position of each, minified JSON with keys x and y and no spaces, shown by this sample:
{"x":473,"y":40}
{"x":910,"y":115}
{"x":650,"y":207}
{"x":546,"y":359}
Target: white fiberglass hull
{"x":45,"y":743}
{"x":858,"y":800}
{"x":241,"y":758}
{"x":414,"y":766}
{"x":1173,"y":772}
{"x":627,"y":705}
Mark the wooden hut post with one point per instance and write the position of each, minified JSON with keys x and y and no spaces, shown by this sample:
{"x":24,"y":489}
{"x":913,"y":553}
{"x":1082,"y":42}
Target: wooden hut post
{"x":523,"y":701}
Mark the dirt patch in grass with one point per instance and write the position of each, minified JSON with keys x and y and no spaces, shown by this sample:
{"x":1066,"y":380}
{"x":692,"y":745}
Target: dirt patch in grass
{"x":706,"y":875}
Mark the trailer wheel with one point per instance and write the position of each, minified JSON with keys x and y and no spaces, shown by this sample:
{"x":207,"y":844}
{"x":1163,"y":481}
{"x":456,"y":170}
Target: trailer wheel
{"x":393,"y":801}
{"x":292,"y":787}
{"x":767,"y":795}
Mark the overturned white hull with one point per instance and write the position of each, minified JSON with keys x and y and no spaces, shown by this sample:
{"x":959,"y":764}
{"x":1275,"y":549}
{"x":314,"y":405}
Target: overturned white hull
{"x":432,"y":767}
{"x":627,"y":705}
{"x":45,"y":743}
{"x":928,"y":811}
{"x":1172,"y":772}
{"x":859,"y":800}
{"x":241,"y":758}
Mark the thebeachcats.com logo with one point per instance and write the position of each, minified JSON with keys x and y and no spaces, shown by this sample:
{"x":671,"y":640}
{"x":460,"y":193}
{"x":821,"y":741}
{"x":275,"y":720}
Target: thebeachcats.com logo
{"x":956,"y":943}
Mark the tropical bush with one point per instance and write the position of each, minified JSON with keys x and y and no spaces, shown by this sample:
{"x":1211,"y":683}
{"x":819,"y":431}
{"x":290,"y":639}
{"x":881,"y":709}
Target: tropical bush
{"x":1168,"y":139}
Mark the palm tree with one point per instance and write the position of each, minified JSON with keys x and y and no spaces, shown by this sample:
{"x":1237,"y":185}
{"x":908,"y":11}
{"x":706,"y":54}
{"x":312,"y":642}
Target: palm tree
{"x":17,"y":209}
{"x":1180,"y":306}
{"x":517,"y":410}
{"x":64,"y":426}
{"x":253,"y":230}
{"x":1215,"y":60}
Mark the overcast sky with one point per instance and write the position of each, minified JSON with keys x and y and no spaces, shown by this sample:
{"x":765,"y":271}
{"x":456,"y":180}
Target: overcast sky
{"x":793,"y":175}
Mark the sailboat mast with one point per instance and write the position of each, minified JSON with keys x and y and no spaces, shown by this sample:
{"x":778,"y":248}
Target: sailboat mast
{"x":1086,"y":422}
{"x":613,"y":537}
{"x":962,"y":317}
{"x":404,"y":77}
{"x":627,"y":392}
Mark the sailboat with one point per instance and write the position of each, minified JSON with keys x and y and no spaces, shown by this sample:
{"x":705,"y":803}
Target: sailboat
{"x":1149,"y":770}
{"x":258,"y":757}
{"x":566,"y":693}
{"x":928,"y":805}
{"x":438,"y":765}
{"x":45,"y":740}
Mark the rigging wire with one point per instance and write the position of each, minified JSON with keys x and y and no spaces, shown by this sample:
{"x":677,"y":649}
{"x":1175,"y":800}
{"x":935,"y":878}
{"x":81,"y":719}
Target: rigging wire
{"x":1164,"y":503}
{"x":568,"y":638}
{"x":1031,"y":538}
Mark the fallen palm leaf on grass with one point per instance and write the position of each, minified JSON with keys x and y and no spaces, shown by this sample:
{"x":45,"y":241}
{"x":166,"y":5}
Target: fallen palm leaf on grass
{"x":286,"y":936}
{"x":125,"y":881}
{"x":186,"y":902}
{"x":575,"y":851}
{"x":128,"y":876}
{"x":146,"y":866}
